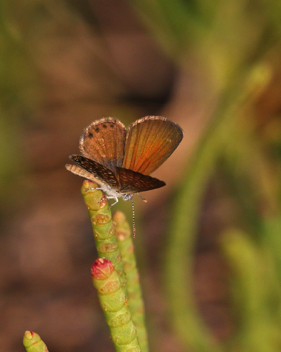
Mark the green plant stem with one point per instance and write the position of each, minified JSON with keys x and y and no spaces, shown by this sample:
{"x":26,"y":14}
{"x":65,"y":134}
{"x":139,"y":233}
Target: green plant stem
{"x":113,"y":302}
{"x":103,"y":228}
{"x":185,"y":319}
{"x":256,"y":293}
{"x":33,"y":342}
{"x":135,"y":301}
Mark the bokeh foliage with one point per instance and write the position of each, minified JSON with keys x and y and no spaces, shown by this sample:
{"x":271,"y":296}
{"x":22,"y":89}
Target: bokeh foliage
{"x":236,"y":46}
{"x":234,"y":42}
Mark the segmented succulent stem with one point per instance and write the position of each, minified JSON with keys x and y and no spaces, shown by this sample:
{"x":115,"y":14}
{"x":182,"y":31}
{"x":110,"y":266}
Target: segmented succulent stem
{"x":103,"y":227}
{"x":33,"y":342}
{"x":135,"y":301}
{"x":114,"y":305}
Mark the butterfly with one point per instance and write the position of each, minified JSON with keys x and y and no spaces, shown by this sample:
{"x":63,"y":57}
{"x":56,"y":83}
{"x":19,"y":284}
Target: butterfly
{"x":120,"y":160}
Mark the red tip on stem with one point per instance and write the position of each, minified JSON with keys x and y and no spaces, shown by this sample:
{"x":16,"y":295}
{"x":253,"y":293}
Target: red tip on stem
{"x":29,"y":334}
{"x":102,"y":269}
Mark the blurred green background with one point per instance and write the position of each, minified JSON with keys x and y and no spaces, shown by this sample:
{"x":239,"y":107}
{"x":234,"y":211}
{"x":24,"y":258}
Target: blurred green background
{"x":209,"y":243}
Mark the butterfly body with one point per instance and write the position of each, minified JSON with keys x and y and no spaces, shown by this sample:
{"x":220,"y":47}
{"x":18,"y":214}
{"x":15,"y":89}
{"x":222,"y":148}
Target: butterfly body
{"x":120,"y":160}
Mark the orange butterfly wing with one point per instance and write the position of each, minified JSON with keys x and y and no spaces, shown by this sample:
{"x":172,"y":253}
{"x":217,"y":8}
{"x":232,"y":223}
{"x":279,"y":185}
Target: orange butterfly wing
{"x":149,"y":142}
{"x":104,"y":142}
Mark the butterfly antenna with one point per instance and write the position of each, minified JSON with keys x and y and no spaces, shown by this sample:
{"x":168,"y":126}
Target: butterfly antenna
{"x":134,"y":223}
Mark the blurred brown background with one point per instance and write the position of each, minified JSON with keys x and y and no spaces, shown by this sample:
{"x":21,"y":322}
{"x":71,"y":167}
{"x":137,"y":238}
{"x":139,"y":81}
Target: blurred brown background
{"x":65,"y":64}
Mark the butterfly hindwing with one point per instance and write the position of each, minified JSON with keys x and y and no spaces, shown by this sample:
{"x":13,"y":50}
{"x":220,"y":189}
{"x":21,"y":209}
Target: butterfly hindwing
{"x":134,"y":182}
{"x":149,"y":142}
{"x":104,"y":142}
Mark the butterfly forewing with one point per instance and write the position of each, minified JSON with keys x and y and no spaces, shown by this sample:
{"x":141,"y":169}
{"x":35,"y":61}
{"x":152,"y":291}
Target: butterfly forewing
{"x":102,"y":174}
{"x":149,"y":142}
{"x":78,"y":170}
{"x":104,"y":142}
{"x":134,"y":182}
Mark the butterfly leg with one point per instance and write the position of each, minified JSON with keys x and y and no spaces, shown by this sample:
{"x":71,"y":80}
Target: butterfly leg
{"x":114,"y":203}
{"x":112,"y":197}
